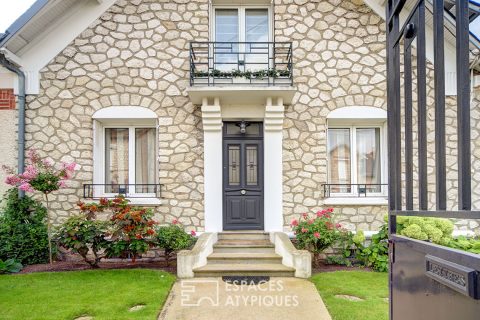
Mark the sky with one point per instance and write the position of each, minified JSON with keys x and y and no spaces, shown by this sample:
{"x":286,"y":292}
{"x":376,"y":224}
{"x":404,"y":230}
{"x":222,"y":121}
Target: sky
{"x":11,"y":10}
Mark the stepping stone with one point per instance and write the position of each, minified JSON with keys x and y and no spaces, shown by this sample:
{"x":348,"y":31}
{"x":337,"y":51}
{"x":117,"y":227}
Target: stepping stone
{"x":84,"y":318}
{"x":347,"y":297}
{"x":136,"y":308}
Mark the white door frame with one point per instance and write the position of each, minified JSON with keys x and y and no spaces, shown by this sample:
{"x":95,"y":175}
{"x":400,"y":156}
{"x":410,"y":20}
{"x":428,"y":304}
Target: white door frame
{"x":213,"y":163}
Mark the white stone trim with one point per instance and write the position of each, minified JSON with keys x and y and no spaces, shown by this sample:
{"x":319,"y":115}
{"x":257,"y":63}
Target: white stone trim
{"x":273,"y":115}
{"x":273,"y":171}
{"x":131,"y":113}
{"x":212,"y":133}
{"x":373,"y":201}
{"x":357,"y":113}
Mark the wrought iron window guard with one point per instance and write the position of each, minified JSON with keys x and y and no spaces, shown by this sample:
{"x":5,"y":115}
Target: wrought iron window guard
{"x":240,"y":63}
{"x":354,"y":190}
{"x":96,"y":191}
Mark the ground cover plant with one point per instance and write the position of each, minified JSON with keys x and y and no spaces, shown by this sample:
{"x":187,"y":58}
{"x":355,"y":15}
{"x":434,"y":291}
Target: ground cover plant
{"x":371,"y":287}
{"x":101,"y":294}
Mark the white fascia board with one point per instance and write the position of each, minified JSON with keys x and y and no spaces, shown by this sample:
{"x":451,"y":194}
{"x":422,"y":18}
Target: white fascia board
{"x":450,"y":53}
{"x":38,"y":53}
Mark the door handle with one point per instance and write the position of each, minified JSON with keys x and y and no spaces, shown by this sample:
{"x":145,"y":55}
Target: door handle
{"x":243,"y":192}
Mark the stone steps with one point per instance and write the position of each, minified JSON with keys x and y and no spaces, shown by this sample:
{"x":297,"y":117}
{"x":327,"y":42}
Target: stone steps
{"x":244,"y":253}
{"x":243,"y":235}
{"x":239,"y":258}
{"x":242,"y":269}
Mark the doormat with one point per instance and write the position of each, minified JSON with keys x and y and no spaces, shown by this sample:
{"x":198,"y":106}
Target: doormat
{"x":246,"y":280}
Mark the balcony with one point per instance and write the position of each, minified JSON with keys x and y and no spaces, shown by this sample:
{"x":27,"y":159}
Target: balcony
{"x":241,"y":73}
{"x":241,"y":63}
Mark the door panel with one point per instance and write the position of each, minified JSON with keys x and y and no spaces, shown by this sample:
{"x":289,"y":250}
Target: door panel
{"x":243,"y":181}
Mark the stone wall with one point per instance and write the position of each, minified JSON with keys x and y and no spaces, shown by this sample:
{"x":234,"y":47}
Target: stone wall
{"x":135,"y":54}
{"x":339,"y":58}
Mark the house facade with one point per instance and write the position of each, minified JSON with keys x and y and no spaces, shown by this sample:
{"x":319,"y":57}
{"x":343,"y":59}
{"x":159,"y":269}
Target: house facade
{"x":224,"y":115}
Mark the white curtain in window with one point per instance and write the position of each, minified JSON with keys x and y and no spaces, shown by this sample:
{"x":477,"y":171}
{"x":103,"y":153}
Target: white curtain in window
{"x":116,"y":158}
{"x":368,"y":157}
{"x":145,"y":159}
{"x":339,"y":159}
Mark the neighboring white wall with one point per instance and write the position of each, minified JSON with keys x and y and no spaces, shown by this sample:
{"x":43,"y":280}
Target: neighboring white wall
{"x":8,"y":144}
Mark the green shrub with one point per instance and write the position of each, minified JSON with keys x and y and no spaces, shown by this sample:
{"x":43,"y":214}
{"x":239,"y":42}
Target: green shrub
{"x":173,"y":238}
{"x":81,"y":235}
{"x":436,"y":230}
{"x":133,"y":232}
{"x":10,"y":266}
{"x":316,"y":233}
{"x":375,"y":255}
{"x":338,"y":260}
{"x":23,"y":230}
{"x":466,"y":244}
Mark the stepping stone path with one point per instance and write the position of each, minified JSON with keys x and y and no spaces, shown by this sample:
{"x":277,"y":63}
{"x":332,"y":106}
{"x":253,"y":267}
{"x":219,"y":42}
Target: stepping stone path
{"x":136,"y":308}
{"x":347,"y":297}
{"x":84,"y":318}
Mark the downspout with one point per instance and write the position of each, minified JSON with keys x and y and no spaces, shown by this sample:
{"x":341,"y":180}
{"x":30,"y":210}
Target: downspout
{"x":21,"y":113}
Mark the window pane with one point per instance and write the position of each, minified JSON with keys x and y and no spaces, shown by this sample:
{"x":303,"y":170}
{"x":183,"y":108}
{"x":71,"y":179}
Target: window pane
{"x":226,"y":30}
{"x":256,"y":30}
{"x":339,"y":160}
{"x":368,"y":159}
{"x":256,"y":25}
{"x":145,"y":160}
{"x":234,"y":165}
{"x":116,"y":160}
{"x":252,"y":165}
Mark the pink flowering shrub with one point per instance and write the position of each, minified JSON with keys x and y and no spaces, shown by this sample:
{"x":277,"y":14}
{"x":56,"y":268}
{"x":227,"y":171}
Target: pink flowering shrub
{"x":317,"y":232}
{"x":40,"y":175}
{"x":43,"y":176}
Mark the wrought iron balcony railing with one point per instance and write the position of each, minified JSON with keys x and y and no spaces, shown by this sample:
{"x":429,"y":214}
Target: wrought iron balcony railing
{"x":360,"y":190}
{"x":240,"y":63}
{"x":96,"y":191}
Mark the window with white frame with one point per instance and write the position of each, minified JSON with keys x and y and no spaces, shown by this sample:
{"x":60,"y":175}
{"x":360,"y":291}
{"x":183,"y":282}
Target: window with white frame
{"x":125,"y":153}
{"x":129,"y":160}
{"x":237,"y":29}
{"x":356,"y":160}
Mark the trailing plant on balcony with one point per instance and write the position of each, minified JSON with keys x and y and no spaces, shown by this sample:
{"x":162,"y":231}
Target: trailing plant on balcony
{"x":259,"y":74}
{"x":44,"y":176}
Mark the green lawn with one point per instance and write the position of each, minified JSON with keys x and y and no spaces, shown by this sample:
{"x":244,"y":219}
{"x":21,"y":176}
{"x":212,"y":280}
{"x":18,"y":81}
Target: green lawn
{"x":370,"y":286}
{"x":103,"y":294}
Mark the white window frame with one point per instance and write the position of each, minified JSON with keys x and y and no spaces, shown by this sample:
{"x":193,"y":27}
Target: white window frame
{"x":353,"y":159}
{"x":241,"y":19}
{"x":100,"y":161}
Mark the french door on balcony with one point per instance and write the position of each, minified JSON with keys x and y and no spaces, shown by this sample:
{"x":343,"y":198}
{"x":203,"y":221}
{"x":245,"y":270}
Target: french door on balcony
{"x":241,"y":35}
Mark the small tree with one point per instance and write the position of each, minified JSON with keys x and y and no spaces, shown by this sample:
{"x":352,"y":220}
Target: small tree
{"x":173,"y":238}
{"x":43,"y":176}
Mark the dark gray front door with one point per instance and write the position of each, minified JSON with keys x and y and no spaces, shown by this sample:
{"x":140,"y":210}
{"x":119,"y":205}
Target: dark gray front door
{"x":242,"y":176}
